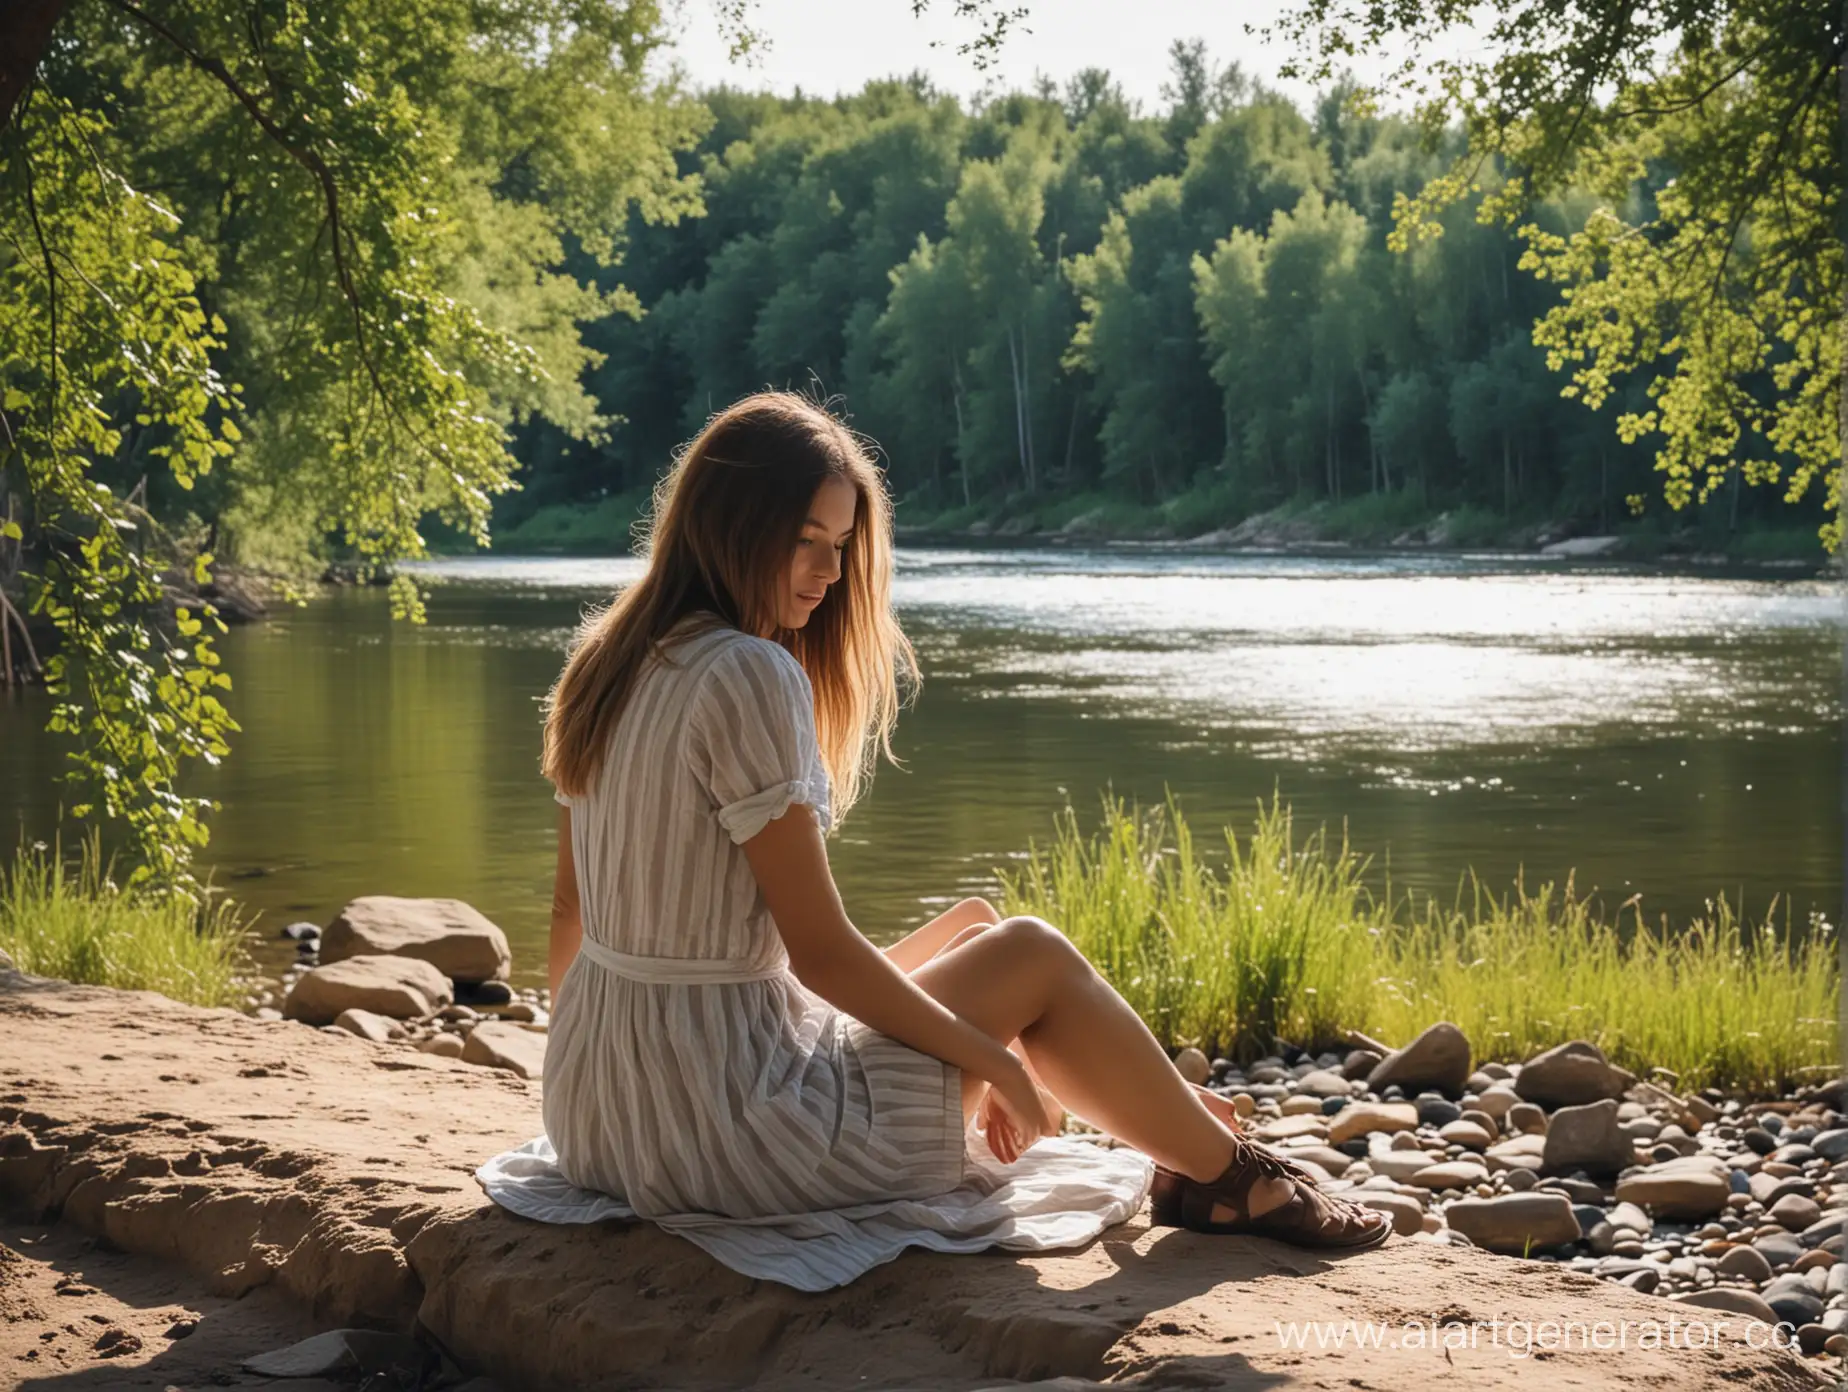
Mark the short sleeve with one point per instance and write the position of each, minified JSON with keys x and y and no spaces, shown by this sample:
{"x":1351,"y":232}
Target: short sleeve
{"x":560,"y":798}
{"x":751,"y":738}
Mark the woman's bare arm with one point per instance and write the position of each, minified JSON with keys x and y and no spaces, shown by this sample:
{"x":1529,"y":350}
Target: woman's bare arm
{"x":567,"y":914}
{"x":921,"y":944}
{"x":834,"y":960}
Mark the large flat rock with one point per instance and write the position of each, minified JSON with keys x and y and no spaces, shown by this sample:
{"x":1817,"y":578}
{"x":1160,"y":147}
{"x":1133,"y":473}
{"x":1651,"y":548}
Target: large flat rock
{"x":337,"y":1172}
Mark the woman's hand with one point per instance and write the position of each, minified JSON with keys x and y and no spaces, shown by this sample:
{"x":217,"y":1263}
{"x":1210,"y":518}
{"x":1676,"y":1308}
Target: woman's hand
{"x":1012,"y":1114}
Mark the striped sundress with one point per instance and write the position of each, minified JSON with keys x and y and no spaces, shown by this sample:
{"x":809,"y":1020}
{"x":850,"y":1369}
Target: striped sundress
{"x":691,"y":1079}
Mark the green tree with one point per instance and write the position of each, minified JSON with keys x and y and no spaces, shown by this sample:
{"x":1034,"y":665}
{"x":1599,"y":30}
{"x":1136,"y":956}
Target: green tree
{"x":362,"y":212}
{"x":1713,"y":272}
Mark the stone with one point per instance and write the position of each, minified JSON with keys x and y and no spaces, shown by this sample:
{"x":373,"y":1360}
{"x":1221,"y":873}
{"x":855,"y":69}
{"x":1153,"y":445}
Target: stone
{"x":1756,"y":1138}
{"x":1571,"y":1075}
{"x":1731,"y":1299}
{"x":1358,"y":1064}
{"x":1815,"y":1261}
{"x":301,"y":932}
{"x":1438,"y":1059}
{"x":496,"y":1045}
{"x":443,"y":1045}
{"x":1452,"y":1174}
{"x":1794,"y":1212}
{"x":1586,"y":1138}
{"x":368,"y":1026}
{"x":1515,"y":1223}
{"x":1831,"y":1145}
{"x":1520,"y":1153}
{"x":1628,"y":1215}
{"x":450,"y":935}
{"x":1399,"y":1165}
{"x":1322,"y":1082}
{"x":1769,"y":1188}
{"x":1746,"y":1262}
{"x":1526,"y":1118}
{"x":1290,"y":1127}
{"x":1327,"y":1157}
{"x":402,"y":988}
{"x":1795,"y":1307}
{"x":1193,"y":1065}
{"x":1367,"y":1117}
{"x":1437,"y":1111}
{"x":1685,"y":1187}
{"x":1822,"y":1231}
{"x":1407,"y":1215}
{"x":484,"y":995}
{"x":1497,"y":1100}
{"x":1520,"y":1180}
{"x":343,"y":1351}
{"x":1780,"y":1249}
{"x":1644,"y":1280}
{"x":1466,"y":1134}
{"x":1812,"y":1338}
{"x":1578,"y":1190}
{"x":1601,"y":1238}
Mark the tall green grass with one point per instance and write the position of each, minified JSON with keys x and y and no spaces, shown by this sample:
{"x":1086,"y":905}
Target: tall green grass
{"x":1282,"y":940}
{"x":71,"y":920}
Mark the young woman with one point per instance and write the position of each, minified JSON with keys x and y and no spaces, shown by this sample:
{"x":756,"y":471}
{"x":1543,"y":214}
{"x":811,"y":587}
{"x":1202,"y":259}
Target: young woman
{"x":724,"y":1041}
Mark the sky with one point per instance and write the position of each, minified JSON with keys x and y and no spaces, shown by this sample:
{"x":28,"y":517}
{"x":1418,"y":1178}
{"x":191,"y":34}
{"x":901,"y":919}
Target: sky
{"x":826,"y":47}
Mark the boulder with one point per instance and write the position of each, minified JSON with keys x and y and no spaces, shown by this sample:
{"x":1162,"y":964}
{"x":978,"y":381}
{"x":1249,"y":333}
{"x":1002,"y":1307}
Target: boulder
{"x":1794,"y":1212}
{"x":402,"y":988}
{"x":1324,"y":1082}
{"x":1452,"y":1174}
{"x":1497,"y":1099}
{"x":1438,"y":1058}
{"x":1518,"y":1153}
{"x":1193,"y":1065}
{"x":1515,"y":1222}
{"x":1400,"y":1165}
{"x":1587,"y":1138}
{"x":368,"y":1026}
{"x":1407,"y":1214}
{"x":447,"y":933}
{"x":1685,"y":1187}
{"x":495,"y":1045}
{"x":1744,"y":1261}
{"x":1731,"y":1299}
{"x":1366,"y":1117}
{"x":1571,"y":1075}
{"x":1467,"y":1134}
{"x":443,"y":1045}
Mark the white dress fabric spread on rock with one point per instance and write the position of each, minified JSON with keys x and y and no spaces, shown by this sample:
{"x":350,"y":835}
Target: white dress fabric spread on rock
{"x":690,"y":1079}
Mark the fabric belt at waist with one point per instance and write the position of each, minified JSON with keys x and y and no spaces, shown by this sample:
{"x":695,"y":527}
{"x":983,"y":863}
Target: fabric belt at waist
{"x":680,"y":971}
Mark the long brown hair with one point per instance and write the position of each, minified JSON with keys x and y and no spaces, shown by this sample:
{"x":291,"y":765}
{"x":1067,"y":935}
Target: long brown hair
{"x":720,"y":538}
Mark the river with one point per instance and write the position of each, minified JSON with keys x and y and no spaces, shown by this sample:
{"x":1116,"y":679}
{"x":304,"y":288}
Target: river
{"x":1666,"y":735}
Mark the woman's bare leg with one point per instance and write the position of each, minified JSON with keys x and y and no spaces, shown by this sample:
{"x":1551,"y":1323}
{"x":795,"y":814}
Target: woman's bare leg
{"x":1024,"y":979}
{"x":1049,"y":1101}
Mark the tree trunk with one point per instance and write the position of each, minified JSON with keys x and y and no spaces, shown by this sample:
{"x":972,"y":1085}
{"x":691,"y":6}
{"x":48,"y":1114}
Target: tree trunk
{"x":1020,"y":420}
{"x":956,"y":396}
{"x":25,"y":33}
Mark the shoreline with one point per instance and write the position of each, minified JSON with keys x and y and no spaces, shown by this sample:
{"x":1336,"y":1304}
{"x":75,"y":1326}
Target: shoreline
{"x":334,"y":1172}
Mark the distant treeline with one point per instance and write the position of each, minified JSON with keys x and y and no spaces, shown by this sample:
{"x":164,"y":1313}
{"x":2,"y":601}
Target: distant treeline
{"x":1057,"y":301}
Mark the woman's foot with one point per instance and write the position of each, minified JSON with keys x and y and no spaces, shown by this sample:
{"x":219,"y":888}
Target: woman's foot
{"x":1263,"y":1194}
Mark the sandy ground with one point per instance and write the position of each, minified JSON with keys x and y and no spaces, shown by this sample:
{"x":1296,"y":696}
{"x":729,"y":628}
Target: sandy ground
{"x":79,"y":1317}
{"x":272,"y":1180}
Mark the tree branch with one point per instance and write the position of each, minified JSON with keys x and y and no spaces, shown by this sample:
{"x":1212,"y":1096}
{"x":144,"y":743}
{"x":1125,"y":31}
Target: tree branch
{"x":25,"y":34}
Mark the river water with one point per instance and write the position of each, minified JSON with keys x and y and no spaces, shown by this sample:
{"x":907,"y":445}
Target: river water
{"x":1674,"y":736}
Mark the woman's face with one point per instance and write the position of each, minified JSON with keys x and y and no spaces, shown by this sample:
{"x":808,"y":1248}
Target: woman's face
{"x":817,"y":562}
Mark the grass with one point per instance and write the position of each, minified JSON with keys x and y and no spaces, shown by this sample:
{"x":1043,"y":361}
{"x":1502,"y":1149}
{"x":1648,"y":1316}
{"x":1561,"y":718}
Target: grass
{"x":72,"y":921}
{"x":1283,"y":941}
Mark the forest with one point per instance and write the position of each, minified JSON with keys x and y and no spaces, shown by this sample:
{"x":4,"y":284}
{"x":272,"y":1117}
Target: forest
{"x":1056,"y":311}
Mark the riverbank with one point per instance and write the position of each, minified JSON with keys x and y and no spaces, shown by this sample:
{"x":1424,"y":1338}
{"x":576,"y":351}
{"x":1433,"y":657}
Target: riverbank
{"x":606,"y":526}
{"x":334,"y":1172}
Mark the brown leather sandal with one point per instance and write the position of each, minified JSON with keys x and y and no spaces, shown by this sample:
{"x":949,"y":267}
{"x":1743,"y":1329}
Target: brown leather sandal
{"x":1307,"y":1219}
